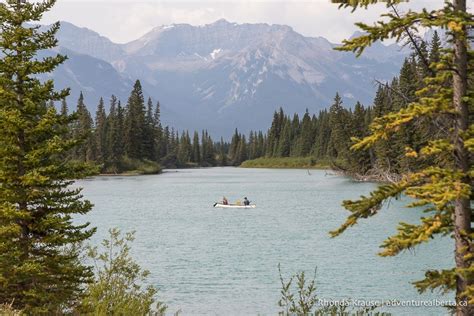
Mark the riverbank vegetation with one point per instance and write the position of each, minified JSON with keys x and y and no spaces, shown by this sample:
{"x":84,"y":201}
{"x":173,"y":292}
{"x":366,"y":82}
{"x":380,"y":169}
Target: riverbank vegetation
{"x":131,"y":139}
{"x":418,"y":134}
{"x":285,"y":162}
{"x":326,"y":138}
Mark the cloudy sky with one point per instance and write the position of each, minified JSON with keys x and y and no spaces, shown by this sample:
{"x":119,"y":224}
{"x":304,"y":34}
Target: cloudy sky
{"x":126,"y":20}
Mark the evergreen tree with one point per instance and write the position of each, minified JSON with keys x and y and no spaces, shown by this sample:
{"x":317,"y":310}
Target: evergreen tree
{"x":241,"y":154}
{"x":422,"y":56}
{"x":435,"y":48}
{"x":64,"y":107}
{"x":196,"y":154}
{"x":166,"y":142}
{"x":121,"y":136}
{"x":222,"y":153}
{"x":445,"y":187}
{"x":172,"y":140}
{"x":135,"y":123}
{"x":320,"y":148}
{"x":40,"y":269}
{"x":359,"y":160}
{"x":306,"y":138}
{"x":184,"y":150}
{"x":158,"y":133}
{"x":295,"y":132}
{"x":261,"y":144}
{"x":284,"y":143}
{"x":149,"y":133}
{"x":114,"y":140}
{"x":274,"y":132}
{"x":234,"y":144}
{"x":83,"y":129}
{"x":101,"y":132}
{"x":407,"y":85}
{"x":207,"y":150}
{"x":338,"y":142}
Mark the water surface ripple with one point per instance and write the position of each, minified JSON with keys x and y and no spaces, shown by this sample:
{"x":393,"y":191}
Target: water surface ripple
{"x":224,"y":261}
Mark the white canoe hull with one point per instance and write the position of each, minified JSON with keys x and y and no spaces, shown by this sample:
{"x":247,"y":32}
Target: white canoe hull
{"x":234,"y":206}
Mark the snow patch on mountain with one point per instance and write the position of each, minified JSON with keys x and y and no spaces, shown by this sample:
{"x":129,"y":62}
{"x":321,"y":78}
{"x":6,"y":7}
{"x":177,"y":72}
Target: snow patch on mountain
{"x":222,"y":69}
{"x":215,"y":52}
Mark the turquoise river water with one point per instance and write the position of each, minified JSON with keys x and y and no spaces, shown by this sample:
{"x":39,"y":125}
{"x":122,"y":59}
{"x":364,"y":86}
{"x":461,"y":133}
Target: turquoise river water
{"x":225,"y":261}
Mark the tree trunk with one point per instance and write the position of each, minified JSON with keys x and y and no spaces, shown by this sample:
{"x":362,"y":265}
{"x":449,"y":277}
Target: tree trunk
{"x":462,"y":208}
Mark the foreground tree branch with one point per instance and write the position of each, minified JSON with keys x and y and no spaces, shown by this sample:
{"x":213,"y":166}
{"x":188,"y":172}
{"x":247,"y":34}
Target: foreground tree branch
{"x":444,"y":187}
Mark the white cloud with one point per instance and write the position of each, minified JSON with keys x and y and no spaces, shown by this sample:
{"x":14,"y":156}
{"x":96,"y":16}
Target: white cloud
{"x":126,"y":20}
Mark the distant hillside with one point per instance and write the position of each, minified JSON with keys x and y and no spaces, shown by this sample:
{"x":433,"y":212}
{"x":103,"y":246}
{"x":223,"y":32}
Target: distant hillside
{"x":222,"y":75}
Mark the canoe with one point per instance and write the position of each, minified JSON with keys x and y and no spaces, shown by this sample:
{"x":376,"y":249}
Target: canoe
{"x":234,"y":205}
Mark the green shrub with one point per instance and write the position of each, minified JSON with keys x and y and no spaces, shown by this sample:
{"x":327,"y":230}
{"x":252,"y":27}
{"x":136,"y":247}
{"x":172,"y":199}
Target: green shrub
{"x":132,"y":166}
{"x":285,"y":162}
{"x":117,"y":288}
{"x":301,"y":299}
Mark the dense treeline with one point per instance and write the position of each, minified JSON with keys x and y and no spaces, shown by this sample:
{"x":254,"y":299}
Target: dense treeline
{"x":132,"y":137}
{"x":42,"y":266}
{"x":328,"y":136}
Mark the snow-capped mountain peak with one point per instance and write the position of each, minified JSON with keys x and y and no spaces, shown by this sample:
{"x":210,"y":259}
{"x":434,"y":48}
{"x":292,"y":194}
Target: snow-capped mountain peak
{"x":219,"y":71}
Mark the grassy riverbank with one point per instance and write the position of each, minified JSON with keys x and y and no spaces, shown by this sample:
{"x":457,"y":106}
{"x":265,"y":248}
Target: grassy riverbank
{"x":132,"y":167}
{"x":286,"y":162}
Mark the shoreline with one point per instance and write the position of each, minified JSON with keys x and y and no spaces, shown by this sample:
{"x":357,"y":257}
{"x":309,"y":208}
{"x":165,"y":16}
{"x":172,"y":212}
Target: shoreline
{"x":272,"y":163}
{"x":286,"y":163}
{"x":286,"y":167}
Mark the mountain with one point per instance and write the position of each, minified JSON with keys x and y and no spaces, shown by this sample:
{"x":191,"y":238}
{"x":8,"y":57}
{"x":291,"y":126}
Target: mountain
{"x":96,"y":78}
{"x":223,"y":75}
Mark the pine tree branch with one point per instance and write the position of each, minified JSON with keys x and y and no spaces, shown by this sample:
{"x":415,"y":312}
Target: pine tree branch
{"x":414,"y":43}
{"x":405,"y":98}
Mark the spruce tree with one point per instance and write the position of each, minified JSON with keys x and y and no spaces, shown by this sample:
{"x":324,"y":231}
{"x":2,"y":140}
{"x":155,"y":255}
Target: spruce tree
{"x":40,"y":268}
{"x":435,"y":47}
{"x":121,"y":133}
{"x":207,"y":149}
{"x":135,"y":131}
{"x":64,"y":107}
{"x":241,"y":154}
{"x":234,"y":144}
{"x":149,"y":133}
{"x":320,"y":147}
{"x":158,"y":133}
{"x":114,"y":142}
{"x":196,"y":152}
{"x":359,"y":161}
{"x":165,"y":142}
{"x":284,"y":143}
{"x":184,"y":150}
{"x":101,"y":132}
{"x":222,"y":153}
{"x":338,"y":142}
{"x":306,"y":137}
{"x":252,"y":145}
{"x":83,"y":128}
{"x":274,"y":132}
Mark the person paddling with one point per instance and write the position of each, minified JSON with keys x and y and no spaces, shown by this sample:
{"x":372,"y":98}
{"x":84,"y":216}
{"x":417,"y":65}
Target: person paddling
{"x":246,"y":201}
{"x":224,"y":201}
